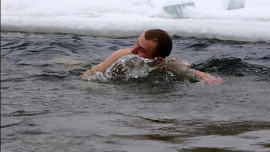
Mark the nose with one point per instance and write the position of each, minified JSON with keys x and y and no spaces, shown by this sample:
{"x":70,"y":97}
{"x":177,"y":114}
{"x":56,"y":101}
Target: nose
{"x":135,"y":50}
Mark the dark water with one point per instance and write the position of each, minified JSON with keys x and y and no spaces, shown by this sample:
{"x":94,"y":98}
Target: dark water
{"x":45,"y":106}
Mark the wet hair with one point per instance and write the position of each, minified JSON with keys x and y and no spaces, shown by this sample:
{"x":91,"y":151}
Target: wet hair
{"x":163,"y":40}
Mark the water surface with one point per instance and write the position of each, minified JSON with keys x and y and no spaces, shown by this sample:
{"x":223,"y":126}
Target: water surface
{"x":46,"y":106}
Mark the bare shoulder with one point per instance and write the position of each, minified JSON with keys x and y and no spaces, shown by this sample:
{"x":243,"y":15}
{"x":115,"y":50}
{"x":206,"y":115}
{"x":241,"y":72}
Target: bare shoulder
{"x":120,"y":53}
{"x":176,"y":63}
{"x":114,"y":57}
{"x":103,"y":66}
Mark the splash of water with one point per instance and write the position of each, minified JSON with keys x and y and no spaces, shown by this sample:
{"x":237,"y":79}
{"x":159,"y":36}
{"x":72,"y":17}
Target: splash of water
{"x":131,"y":66}
{"x":127,"y":67}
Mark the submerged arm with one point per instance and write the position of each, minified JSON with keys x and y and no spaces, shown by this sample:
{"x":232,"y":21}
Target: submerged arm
{"x":207,"y":78}
{"x":185,"y":72}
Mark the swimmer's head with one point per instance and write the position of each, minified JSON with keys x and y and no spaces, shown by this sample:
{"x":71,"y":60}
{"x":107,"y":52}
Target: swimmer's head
{"x":163,"y":41}
{"x":153,"y":43}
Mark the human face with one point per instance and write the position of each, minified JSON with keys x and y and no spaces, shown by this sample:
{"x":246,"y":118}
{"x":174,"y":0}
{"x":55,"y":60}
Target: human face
{"x":144,"y":48}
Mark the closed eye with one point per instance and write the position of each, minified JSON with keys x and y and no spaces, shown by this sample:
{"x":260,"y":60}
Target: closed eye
{"x":140,"y":48}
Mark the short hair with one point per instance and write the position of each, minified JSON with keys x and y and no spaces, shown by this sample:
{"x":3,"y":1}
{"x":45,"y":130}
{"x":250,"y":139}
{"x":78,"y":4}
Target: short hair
{"x":163,"y":40}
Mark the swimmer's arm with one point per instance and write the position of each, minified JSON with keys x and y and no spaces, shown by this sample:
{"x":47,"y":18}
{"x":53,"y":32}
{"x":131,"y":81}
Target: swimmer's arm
{"x":103,"y":66}
{"x":185,"y":71}
{"x":207,"y":78}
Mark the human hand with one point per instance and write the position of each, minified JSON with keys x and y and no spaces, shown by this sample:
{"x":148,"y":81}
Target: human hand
{"x":85,"y":75}
{"x":213,"y":80}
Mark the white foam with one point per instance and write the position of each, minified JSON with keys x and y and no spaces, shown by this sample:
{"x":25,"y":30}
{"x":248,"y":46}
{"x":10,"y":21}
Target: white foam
{"x":121,"y":18}
{"x":131,"y":66}
{"x":127,"y":67}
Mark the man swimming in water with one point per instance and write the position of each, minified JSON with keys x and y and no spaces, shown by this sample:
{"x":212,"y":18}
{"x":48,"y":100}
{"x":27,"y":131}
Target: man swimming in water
{"x":153,"y":44}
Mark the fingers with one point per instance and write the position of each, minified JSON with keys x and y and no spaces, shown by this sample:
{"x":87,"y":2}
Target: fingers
{"x":213,"y":81}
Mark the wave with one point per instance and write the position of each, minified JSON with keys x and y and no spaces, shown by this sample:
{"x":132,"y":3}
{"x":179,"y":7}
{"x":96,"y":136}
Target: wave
{"x":232,"y":66}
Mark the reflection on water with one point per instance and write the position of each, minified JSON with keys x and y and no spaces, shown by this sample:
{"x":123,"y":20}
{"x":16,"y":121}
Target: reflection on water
{"x":46,"y":106}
